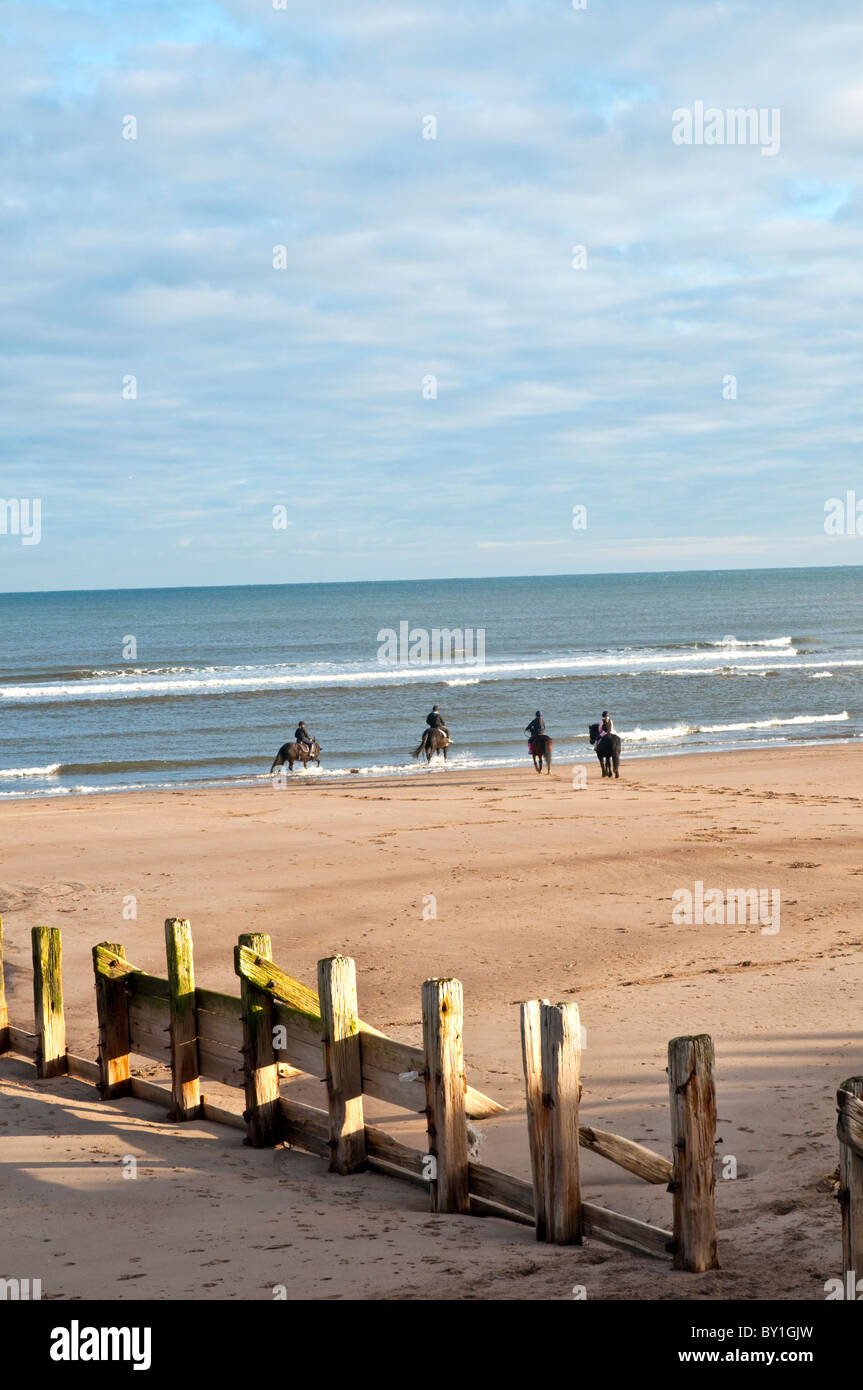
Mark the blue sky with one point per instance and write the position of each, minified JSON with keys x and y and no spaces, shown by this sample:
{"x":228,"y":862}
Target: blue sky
{"x":408,"y":258}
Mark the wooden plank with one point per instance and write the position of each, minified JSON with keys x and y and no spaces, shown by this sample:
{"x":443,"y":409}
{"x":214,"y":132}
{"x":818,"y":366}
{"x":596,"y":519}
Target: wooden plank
{"x":185,"y":1071}
{"x":502,"y":1189}
{"x":303,"y":1006}
{"x":142,"y":985}
{"x":305,"y":1126}
{"x":481,"y":1206}
{"x":850,"y":1132}
{"x":224,"y":1005}
{"x":218,"y":1028}
{"x":560,"y":1032}
{"x":112,"y":1009}
{"x":4,"y":1011}
{"x":221,"y":1115}
{"x":442,"y":1008}
{"x":156,"y":1046}
{"x":625,"y":1232}
{"x":537,"y":1112}
{"x":337,"y":992}
{"x":84,"y":1070}
{"x":388,"y":1086}
{"x":381,"y":1148}
{"x":220,"y":1063}
{"x":260,"y":1064}
{"x":635,"y":1158}
{"x":22,"y":1042}
{"x":152,"y":1012}
{"x":48,"y":1001}
{"x":693,"y":1139}
{"x":266,"y":975}
{"x":301,"y":1058}
{"x":153,"y":1092}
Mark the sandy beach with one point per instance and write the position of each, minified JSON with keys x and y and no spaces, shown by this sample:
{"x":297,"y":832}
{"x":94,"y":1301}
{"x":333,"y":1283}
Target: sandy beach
{"x":541,"y":890}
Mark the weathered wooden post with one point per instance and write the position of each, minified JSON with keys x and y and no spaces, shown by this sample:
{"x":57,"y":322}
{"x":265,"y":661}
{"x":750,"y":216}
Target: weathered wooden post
{"x":4,"y":1012}
{"x":849,"y":1101}
{"x":693,"y":1139}
{"x":260,"y":1064}
{"x":48,"y":1002}
{"x":560,"y":1040}
{"x":112,"y":1011}
{"x":537,"y":1113}
{"x":337,"y":990}
{"x":185,"y":1070}
{"x":445,"y":1094}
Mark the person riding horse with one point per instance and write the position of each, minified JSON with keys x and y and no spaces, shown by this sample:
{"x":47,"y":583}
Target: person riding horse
{"x":302,"y":735}
{"x":534,"y":729}
{"x":435,"y":720}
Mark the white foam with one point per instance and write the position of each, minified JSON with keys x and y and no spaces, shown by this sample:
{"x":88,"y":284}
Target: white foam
{"x":218,"y":681}
{"x":30,"y":771}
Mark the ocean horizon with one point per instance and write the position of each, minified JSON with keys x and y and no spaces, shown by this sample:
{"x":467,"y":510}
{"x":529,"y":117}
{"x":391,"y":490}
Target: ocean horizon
{"x":134,"y":689}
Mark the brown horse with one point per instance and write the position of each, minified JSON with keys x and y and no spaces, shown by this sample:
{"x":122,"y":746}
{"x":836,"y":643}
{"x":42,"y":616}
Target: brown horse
{"x":291,"y":753}
{"x":432,"y":741}
{"x":540,"y":747}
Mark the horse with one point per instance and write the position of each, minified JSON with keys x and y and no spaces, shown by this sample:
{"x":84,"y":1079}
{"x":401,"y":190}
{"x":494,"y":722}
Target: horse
{"x":607,"y":750}
{"x":432,"y":741}
{"x":291,"y":753}
{"x":540,"y":747}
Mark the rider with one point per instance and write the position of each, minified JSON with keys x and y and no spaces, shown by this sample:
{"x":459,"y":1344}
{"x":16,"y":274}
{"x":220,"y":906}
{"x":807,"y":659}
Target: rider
{"x":435,"y":721}
{"x":606,"y":725}
{"x":535,"y":728}
{"x":302,"y":735}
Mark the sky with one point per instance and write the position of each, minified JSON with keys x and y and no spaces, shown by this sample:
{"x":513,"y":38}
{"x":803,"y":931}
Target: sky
{"x":430,"y":378}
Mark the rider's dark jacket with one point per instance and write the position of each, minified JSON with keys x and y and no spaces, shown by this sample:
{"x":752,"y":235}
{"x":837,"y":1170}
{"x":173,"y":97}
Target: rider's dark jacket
{"x":435,"y":720}
{"x":535,"y":727}
{"x":303,"y":736}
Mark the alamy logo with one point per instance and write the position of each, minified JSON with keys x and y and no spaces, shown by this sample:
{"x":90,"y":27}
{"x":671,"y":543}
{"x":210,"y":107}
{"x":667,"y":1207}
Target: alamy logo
{"x":18,"y":1290}
{"x":737,"y":125}
{"x":844,"y":516}
{"x":77,"y":1343}
{"x":438,"y":646}
{"x":715,"y":907}
{"x":21,"y":516}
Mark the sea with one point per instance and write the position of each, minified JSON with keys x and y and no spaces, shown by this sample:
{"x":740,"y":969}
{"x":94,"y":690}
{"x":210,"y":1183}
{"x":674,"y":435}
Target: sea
{"x":124,"y":690}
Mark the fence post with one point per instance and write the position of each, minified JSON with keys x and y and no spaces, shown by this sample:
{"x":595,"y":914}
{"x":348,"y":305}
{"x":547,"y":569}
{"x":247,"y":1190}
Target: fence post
{"x":48,"y":1002}
{"x":337,"y":990}
{"x":849,"y":1100}
{"x":537,"y":1113}
{"x":445,"y":1094}
{"x":112,"y":1012}
{"x":693,"y":1138}
{"x":560,"y":1031}
{"x":185,"y":1070}
{"x":4,"y":1012}
{"x":260,"y":1064}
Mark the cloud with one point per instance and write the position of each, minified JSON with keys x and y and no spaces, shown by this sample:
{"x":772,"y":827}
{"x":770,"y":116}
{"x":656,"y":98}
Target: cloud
{"x":408,"y":257}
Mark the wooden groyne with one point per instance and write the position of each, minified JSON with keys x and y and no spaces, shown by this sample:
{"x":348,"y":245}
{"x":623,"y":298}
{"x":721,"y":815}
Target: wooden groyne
{"x":276,"y":1026}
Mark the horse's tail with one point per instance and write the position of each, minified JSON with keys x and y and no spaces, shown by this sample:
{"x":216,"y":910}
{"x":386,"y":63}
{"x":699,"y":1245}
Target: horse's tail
{"x":420,"y":748}
{"x":277,"y":762}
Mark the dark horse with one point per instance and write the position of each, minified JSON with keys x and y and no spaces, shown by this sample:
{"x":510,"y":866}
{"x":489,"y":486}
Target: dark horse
{"x":607,"y":750}
{"x":291,"y":753}
{"x":432,"y":741}
{"x":540,"y":747}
